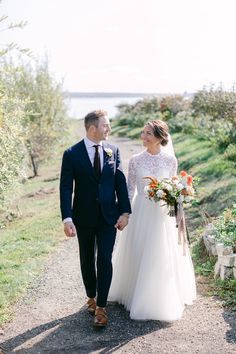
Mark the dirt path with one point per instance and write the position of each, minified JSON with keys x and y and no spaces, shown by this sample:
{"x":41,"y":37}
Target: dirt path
{"x":52,"y":317}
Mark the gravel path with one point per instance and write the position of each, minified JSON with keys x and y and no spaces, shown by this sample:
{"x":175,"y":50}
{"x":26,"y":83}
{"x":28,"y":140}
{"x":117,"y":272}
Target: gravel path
{"x":52,"y":317}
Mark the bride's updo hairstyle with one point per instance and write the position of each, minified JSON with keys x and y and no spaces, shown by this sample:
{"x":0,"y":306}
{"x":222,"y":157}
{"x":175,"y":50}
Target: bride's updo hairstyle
{"x":160,"y":130}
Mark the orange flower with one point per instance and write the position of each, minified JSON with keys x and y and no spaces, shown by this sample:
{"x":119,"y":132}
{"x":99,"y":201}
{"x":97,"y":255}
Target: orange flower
{"x":174,"y":178}
{"x":189,"y":180}
{"x":153,"y":180}
{"x":183,"y":173}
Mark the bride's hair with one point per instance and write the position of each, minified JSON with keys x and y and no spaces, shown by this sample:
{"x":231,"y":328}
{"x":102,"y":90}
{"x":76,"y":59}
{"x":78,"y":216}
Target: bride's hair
{"x":160,"y":130}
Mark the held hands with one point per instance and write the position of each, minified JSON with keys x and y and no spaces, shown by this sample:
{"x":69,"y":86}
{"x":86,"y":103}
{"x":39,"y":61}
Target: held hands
{"x":122,"y":221}
{"x":69,"y":229}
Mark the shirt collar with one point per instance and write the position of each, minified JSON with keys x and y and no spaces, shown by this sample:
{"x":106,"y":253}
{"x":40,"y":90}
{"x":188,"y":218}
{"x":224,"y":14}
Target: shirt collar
{"x":89,"y":143}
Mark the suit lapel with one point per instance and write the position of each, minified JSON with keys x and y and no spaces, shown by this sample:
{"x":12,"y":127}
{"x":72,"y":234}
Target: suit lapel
{"x":105,"y":156}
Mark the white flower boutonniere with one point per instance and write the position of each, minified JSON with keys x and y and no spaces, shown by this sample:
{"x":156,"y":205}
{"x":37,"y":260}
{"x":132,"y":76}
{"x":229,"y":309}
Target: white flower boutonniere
{"x":108,"y":152}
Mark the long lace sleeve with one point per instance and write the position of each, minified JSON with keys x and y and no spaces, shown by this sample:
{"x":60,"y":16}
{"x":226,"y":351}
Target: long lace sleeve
{"x":174,"y":167}
{"x":131,"y":178}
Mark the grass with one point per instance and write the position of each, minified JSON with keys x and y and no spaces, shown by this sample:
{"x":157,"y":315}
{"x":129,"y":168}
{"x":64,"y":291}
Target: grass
{"x":217,"y":189}
{"x":26,"y":242}
{"x":225,"y":290}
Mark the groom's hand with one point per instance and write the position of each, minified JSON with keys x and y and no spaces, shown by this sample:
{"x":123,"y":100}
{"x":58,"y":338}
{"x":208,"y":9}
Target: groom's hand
{"x":69,"y":229}
{"x":122,"y":222}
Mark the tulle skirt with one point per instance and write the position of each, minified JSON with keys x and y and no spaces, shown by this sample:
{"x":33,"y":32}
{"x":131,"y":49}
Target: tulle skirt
{"x":152,"y":277}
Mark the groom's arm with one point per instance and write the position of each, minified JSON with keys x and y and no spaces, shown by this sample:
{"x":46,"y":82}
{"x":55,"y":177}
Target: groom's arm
{"x":66,"y":191}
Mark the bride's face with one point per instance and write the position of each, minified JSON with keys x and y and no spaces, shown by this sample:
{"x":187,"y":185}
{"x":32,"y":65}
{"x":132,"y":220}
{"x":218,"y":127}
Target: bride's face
{"x":148,"y":137}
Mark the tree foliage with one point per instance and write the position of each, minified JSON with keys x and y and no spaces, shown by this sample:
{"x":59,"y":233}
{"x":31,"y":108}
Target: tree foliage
{"x":12,"y":149}
{"x":45,"y":111}
{"x":209,"y":114}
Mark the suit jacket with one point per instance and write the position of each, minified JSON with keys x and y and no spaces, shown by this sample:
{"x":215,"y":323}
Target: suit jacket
{"x":79,"y":182}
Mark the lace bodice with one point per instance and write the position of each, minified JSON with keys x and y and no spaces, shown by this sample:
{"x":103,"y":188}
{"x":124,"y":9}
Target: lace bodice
{"x":145,"y":164}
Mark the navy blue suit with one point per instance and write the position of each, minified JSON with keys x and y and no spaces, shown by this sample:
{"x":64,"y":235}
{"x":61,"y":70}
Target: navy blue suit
{"x":95,"y":206}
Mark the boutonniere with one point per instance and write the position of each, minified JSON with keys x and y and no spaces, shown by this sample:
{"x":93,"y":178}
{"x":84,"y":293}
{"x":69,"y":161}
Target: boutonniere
{"x":108,"y":152}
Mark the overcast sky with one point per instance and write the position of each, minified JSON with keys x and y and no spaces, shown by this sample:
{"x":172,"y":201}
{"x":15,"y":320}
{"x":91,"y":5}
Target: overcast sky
{"x":162,"y":46}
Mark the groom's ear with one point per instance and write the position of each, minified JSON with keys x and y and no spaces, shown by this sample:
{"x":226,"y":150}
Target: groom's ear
{"x":92,"y":128}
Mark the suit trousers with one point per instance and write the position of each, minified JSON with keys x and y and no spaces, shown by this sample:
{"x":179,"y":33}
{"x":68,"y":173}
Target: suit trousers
{"x":95,"y":248}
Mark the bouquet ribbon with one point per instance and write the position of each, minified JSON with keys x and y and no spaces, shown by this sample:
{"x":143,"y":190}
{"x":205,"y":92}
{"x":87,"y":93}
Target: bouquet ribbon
{"x":180,"y":223}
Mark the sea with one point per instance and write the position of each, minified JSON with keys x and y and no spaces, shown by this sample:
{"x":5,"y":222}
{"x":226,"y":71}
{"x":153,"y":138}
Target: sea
{"x":80,"y":103}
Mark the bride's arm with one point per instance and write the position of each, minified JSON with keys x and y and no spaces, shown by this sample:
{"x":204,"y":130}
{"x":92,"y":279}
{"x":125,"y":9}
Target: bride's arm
{"x":174,"y":167}
{"x":131,"y":178}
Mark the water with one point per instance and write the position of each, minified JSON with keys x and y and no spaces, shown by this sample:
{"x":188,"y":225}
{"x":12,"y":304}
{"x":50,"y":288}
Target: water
{"x":78,"y":107}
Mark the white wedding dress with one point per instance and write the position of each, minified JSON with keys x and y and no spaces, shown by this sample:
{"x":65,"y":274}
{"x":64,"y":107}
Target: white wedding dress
{"x":151,"y":276}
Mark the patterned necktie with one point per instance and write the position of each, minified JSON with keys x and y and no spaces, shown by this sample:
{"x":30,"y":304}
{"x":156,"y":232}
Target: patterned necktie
{"x":96,"y":163}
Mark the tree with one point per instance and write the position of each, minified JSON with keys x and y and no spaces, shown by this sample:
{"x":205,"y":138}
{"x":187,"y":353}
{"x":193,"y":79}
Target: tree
{"x":45,"y":112}
{"x":12,"y":148}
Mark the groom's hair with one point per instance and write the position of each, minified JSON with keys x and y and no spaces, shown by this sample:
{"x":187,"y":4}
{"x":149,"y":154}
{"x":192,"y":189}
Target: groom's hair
{"x":160,"y":130}
{"x":93,"y":117}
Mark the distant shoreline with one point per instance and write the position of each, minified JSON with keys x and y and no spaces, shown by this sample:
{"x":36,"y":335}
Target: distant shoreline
{"x":110,"y":94}
{"x":118,"y":94}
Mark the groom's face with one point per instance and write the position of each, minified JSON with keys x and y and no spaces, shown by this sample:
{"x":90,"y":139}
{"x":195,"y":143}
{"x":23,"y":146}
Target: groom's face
{"x":103,"y":129}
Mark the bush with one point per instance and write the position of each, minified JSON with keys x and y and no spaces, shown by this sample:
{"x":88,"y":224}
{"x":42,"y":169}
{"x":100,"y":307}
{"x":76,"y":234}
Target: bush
{"x":45,"y":111}
{"x":218,"y":108}
{"x":182,"y":122}
{"x":226,"y":227}
{"x":12,"y":151}
{"x":171,"y":105}
{"x":230,"y":152}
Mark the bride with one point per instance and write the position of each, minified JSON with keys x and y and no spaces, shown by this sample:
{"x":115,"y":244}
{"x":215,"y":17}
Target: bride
{"x":151,"y":276}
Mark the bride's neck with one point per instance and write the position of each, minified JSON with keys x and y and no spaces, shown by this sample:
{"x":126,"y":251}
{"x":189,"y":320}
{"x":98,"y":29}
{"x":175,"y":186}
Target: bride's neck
{"x":154,"y":150}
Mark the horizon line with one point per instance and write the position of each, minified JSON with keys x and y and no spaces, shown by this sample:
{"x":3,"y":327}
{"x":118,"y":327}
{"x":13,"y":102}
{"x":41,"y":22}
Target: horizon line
{"x":121,"y":93}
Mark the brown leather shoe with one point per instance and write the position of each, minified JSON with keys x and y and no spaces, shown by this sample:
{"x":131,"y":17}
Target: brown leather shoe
{"x":91,"y":306}
{"x":101,"y":318}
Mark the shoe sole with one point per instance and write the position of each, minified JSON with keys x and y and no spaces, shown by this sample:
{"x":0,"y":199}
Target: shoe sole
{"x":97,"y":325}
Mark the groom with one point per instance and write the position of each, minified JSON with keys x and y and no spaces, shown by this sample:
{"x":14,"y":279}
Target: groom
{"x":91,"y":172}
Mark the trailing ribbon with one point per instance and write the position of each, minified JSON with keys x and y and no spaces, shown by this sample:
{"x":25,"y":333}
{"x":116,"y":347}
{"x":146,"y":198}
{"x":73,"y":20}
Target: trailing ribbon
{"x":180,"y":223}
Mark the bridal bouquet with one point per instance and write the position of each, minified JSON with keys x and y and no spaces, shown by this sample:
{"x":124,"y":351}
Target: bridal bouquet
{"x":173,"y":191}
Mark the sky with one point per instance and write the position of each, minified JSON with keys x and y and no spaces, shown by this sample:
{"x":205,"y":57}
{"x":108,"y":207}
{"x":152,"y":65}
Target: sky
{"x":150,"y":46}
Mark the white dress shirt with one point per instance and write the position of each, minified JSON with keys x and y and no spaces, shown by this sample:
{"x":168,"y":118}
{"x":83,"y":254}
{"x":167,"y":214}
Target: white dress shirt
{"x":91,"y":150}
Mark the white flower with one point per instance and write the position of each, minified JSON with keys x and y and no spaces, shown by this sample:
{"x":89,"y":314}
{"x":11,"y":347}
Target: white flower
{"x":160,"y":194}
{"x":180,"y":186}
{"x":180,"y":198}
{"x":187,"y":198}
{"x":108,"y":151}
{"x":167,"y":186}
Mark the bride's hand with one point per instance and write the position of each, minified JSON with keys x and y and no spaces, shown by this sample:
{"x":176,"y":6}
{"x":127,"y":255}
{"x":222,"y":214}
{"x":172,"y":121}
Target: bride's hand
{"x":122,"y":222}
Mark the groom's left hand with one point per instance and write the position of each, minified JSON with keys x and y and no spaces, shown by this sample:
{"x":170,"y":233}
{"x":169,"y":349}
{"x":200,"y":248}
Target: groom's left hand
{"x":122,"y":221}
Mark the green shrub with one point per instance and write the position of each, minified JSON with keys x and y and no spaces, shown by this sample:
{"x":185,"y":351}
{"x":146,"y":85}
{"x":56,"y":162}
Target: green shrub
{"x":218,"y":110}
{"x":12,"y":151}
{"x":45,"y":110}
{"x":171,"y":105}
{"x":182,"y":122}
{"x":230,"y":152}
{"x":226,"y":227}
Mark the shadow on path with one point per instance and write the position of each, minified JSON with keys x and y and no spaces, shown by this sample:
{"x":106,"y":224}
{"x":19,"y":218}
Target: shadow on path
{"x":75,"y":334}
{"x":229,"y":318}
